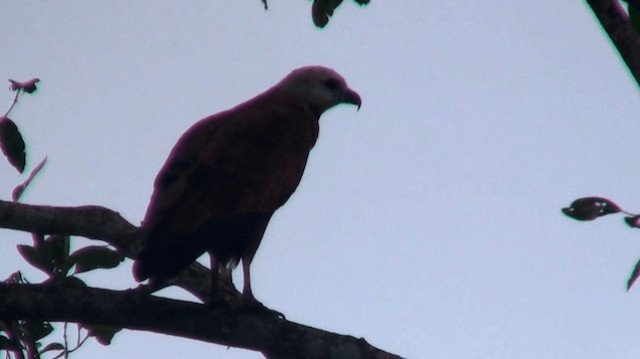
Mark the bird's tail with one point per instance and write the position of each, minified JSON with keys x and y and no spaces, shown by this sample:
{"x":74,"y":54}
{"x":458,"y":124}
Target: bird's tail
{"x":160,"y":260}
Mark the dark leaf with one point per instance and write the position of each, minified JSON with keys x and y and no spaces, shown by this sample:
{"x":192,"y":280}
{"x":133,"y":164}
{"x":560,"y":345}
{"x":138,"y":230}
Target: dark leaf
{"x":51,"y":256}
{"x":14,"y":278}
{"x":34,"y":258}
{"x":319,"y":14}
{"x":17,"y":192}
{"x":7,"y":344}
{"x":27,"y":86}
{"x":52,"y":346}
{"x":56,"y":248}
{"x":634,"y":275}
{"x":37,"y":329}
{"x":94,"y":257}
{"x":58,"y":245}
{"x":590,"y":208}
{"x":12,"y":144}
{"x":633,"y":222}
{"x":322,"y":10}
{"x":103,"y":333}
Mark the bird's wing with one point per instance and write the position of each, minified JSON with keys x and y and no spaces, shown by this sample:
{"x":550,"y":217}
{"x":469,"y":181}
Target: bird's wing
{"x":243,"y":162}
{"x":240,"y":161}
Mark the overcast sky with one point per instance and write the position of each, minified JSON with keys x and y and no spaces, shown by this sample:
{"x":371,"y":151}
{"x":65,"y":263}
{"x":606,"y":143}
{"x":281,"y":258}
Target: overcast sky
{"x":428,"y":222}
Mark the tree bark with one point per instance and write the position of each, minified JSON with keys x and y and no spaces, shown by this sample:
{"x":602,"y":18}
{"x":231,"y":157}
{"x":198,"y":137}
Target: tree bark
{"x":615,"y":22}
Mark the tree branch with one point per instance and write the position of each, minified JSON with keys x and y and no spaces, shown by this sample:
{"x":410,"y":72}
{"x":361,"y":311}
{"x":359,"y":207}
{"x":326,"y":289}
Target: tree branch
{"x":615,"y":22}
{"x":94,"y":222}
{"x":135,"y":309}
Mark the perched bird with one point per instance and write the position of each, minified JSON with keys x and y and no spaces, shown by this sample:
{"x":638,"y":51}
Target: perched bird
{"x":229,"y":173}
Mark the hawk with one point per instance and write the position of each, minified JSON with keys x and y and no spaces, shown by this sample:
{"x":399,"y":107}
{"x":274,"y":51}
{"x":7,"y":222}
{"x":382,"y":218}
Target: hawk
{"x":229,"y":173}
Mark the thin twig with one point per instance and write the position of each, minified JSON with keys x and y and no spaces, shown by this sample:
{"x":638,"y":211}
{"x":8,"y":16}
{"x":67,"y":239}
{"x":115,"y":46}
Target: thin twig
{"x":64,"y":340}
{"x":15,"y":100}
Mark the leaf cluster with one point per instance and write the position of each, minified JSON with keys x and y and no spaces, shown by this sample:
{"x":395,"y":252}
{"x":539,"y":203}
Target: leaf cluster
{"x":11,"y":141}
{"x":590,"y":208}
{"x":25,"y":338}
{"x":52,"y":255}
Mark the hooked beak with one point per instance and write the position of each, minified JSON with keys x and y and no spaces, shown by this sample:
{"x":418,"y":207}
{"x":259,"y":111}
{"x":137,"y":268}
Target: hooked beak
{"x":352,"y":97}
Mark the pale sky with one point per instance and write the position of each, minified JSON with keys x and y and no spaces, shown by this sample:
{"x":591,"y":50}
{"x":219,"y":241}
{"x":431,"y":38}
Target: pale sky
{"x":428,"y":222}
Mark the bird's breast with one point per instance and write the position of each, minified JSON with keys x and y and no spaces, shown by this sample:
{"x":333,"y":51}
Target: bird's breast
{"x":267,"y":162}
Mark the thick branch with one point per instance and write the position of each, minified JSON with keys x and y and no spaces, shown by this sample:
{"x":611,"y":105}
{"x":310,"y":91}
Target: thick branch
{"x":93,"y":222}
{"x":135,"y":309}
{"x":616,"y":23}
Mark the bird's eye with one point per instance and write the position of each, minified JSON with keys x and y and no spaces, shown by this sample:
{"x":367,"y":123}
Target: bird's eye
{"x":331,"y":83}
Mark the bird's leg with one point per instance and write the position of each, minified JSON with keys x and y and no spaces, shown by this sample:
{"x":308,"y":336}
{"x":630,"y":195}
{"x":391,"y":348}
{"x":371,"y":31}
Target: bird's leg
{"x":249,"y":302}
{"x":247,"y":295}
{"x":225,"y":283}
{"x":215,"y":297}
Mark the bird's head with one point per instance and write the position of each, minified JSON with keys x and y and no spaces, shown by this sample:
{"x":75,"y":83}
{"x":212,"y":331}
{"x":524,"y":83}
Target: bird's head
{"x":320,"y":87}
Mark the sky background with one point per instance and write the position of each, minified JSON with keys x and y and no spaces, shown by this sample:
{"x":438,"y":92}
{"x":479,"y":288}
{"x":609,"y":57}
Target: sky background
{"x":428,"y":222}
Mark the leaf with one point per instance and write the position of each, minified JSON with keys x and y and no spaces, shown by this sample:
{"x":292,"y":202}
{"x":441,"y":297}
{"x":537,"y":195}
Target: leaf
{"x":7,"y":344}
{"x":12,"y":144}
{"x":15,"y":278}
{"x":51,"y":256}
{"x":634,"y":275}
{"x":56,"y":249}
{"x":633,"y":222}
{"x":95,"y":257}
{"x":590,"y":208}
{"x":27,"y":86}
{"x":322,"y":10}
{"x":34,"y":258}
{"x":52,"y":346}
{"x":37,"y":329}
{"x":103,"y":333}
{"x":17,"y":192}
